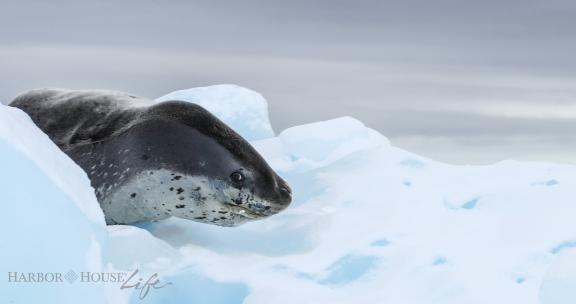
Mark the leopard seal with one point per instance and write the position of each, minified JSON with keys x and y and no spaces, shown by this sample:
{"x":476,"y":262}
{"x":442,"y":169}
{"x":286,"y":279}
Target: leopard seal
{"x":150,"y":161}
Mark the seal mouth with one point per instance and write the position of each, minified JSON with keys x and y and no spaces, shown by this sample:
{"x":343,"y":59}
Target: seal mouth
{"x":245,"y":212}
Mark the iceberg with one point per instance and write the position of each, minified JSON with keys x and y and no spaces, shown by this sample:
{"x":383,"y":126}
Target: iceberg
{"x":370,"y":223}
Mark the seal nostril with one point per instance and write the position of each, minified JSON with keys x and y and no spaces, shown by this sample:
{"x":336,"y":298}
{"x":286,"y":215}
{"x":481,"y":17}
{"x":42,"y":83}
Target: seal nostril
{"x":285,"y":190}
{"x":285,"y":195}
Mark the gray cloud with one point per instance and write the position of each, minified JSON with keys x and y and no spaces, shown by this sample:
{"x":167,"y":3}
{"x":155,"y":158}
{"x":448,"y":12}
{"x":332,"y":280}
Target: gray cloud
{"x":461,"y":81}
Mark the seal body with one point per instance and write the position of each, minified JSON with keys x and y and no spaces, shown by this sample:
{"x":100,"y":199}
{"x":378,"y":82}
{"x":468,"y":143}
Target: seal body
{"x":149,"y":161}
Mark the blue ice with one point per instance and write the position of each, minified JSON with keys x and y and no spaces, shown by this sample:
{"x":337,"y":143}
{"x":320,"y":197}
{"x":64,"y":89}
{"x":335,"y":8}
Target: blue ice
{"x":471,"y":204}
{"x":348,"y":269}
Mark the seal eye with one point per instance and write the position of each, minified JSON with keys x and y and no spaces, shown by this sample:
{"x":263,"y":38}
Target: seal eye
{"x":237,"y":177}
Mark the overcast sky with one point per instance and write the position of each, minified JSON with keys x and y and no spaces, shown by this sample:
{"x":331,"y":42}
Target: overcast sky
{"x":467,"y":82}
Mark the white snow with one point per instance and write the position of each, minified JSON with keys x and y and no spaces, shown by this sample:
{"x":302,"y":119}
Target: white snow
{"x":559,"y":285}
{"x":370,"y":223}
{"x":51,"y":221}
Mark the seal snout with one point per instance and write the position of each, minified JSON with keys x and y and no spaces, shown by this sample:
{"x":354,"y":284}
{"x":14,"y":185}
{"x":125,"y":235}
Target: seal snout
{"x":277,"y":198}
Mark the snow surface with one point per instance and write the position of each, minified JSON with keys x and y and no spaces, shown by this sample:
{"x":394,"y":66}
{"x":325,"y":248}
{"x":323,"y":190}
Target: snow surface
{"x":370,"y":223}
